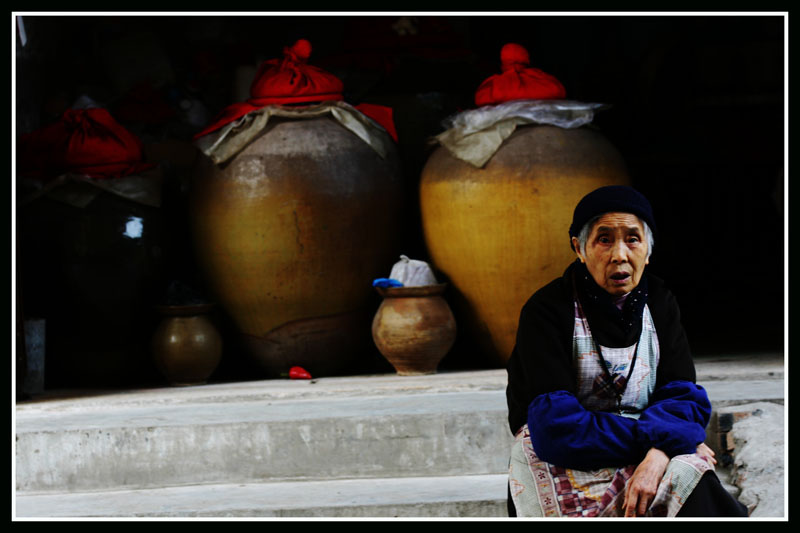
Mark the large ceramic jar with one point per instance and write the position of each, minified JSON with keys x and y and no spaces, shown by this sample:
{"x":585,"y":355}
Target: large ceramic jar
{"x":290,"y":230}
{"x":90,"y":249}
{"x":498,"y":230}
{"x":93,"y":274}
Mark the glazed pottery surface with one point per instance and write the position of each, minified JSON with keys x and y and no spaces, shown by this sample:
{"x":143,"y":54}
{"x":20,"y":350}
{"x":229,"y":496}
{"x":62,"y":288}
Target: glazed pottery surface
{"x":289,"y":234}
{"x":500,"y":232}
{"x":186,"y":344}
{"x":414,"y":328}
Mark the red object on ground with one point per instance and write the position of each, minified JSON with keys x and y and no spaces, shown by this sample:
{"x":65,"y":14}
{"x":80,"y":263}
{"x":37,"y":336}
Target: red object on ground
{"x":298,"y":372}
{"x":292,"y":81}
{"x":83,"y":141}
{"x":518,"y":80}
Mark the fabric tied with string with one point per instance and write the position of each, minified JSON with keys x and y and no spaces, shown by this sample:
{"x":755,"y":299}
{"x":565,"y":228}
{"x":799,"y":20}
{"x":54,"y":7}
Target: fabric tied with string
{"x":518,"y":80}
{"x":87,"y":142}
{"x":291,"y":81}
{"x":519,"y":95}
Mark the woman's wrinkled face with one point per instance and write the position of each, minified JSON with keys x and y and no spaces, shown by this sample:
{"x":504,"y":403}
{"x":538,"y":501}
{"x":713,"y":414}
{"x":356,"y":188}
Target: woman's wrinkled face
{"x":616,"y":252}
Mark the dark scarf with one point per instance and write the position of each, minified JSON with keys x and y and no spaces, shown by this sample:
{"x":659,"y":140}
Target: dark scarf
{"x":610,"y":326}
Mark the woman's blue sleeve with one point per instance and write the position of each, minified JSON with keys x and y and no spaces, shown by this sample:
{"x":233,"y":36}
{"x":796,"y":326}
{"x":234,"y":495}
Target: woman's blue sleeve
{"x":676,"y":419}
{"x":566,"y":434}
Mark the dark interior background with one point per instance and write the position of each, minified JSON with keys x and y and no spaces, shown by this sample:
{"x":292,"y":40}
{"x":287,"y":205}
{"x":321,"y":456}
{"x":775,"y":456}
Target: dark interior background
{"x":697,"y":111}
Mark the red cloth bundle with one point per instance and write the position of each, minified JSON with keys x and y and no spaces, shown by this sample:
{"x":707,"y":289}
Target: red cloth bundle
{"x":291,"y":81}
{"x":83,"y":141}
{"x":518,"y":81}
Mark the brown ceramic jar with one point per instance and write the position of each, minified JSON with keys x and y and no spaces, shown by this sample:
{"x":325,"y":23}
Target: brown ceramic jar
{"x":414,"y":328}
{"x":288,"y":234}
{"x":186,"y":344}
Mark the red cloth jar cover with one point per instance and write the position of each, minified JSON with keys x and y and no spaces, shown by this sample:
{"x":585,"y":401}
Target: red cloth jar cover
{"x":518,"y":81}
{"x":83,"y":141}
{"x":291,"y":81}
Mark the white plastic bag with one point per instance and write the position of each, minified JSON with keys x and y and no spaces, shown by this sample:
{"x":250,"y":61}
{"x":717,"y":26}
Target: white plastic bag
{"x":412,"y":273}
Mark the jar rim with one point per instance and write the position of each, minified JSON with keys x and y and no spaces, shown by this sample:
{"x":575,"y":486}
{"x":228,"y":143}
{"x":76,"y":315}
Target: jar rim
{"x":407,"y":292}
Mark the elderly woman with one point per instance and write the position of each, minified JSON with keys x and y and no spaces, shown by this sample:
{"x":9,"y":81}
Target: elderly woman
{"x":602,"y":399}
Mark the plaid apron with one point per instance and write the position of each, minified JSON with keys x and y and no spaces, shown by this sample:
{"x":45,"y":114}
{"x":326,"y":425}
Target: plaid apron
{"x":540,"y":489}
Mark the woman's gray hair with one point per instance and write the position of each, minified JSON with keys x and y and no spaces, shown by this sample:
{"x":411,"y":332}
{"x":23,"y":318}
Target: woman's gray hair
{"x":586,"y":230}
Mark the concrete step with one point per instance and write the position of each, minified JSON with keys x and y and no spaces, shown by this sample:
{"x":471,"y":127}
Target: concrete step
{"x":249,"y":433}
{"x":188,"y":451}
{"x":434,"y":496}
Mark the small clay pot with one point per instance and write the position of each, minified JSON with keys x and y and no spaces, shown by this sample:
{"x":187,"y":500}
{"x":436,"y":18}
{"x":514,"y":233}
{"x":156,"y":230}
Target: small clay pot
{"x":186,"y":345}
{"x":414,"y":328}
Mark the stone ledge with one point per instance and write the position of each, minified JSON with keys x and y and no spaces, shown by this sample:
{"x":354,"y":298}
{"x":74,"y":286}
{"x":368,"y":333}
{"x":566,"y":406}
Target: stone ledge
{"x":448,"y":496}
{"x":420,"y":434}
{"x":749,"y":441}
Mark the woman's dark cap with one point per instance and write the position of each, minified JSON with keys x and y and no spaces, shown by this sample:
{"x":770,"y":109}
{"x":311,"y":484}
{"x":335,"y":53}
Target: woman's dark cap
{"x":610,"y":199}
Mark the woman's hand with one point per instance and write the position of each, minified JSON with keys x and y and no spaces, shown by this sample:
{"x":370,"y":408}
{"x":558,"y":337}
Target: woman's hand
{"x":706,"y":453}
{"x":641,"y":488}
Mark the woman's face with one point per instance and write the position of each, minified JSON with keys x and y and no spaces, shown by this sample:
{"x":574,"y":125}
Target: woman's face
{"x":616,"y":252}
